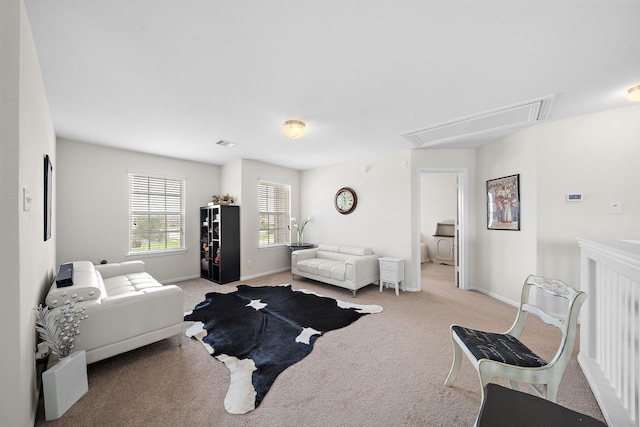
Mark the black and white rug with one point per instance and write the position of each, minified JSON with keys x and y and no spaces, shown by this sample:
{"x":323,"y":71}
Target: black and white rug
{"x":260,"y":331}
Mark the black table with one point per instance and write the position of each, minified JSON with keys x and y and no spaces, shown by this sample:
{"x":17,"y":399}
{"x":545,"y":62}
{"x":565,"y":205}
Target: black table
{"x":297,"y":247}
{"x":503,"y":406}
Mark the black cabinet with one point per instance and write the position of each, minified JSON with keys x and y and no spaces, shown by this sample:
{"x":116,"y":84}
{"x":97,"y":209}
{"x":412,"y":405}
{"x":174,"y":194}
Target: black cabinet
{"x":220,"y":243}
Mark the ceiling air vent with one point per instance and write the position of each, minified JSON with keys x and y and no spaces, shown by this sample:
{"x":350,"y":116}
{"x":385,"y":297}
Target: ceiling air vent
{"x":225,"y":143}
{"x":513,"y":116}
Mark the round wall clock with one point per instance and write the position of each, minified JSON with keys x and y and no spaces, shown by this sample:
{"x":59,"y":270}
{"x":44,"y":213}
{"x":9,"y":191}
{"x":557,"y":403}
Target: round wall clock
{"x":346,"y":200}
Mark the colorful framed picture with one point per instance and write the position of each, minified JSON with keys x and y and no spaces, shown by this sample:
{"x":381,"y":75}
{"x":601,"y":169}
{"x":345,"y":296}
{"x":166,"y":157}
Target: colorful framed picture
{"x":503,"y":203}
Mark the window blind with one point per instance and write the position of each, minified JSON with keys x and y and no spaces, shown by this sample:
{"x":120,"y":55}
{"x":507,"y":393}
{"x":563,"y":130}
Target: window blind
{"x":274,"y":203}
{"x":156,"y":213}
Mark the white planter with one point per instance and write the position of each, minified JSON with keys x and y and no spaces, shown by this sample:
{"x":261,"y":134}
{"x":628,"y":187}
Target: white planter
{"x":64,"y":384}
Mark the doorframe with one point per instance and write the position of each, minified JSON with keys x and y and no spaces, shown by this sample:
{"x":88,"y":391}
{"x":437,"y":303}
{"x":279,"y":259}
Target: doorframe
{"x":463,"y":192}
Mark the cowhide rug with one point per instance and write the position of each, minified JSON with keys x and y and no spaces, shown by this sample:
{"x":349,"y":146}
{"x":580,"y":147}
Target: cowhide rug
{"x":260,"y":331}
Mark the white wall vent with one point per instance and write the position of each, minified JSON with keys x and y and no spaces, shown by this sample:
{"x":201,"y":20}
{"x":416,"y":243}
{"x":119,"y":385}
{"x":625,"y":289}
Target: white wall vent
{"x":513,"y":116}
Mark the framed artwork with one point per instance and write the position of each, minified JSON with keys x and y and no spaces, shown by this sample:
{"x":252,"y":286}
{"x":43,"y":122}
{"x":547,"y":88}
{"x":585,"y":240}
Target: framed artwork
{"x":48,"y":196}
{"x":503,"y":203}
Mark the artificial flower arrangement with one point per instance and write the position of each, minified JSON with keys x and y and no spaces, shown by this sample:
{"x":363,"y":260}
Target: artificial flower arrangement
{"x":300,"y":228}
{"x":59,"y":332}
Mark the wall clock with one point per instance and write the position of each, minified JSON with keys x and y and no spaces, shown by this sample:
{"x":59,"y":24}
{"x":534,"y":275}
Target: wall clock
{"x":346,"y":200}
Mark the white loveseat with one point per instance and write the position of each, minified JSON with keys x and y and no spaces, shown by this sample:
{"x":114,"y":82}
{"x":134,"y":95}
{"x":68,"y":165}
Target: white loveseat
{"x":349,"y":267}
{"x":126,"y":307}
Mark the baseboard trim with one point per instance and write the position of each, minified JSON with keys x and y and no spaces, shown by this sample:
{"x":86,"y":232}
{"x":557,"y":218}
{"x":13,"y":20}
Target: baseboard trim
{"x":265,"y":273}
{"x":614,"y":412}
{"x":180,"y":279}
{"x":495,"y":296}
{"x":253,"y":276}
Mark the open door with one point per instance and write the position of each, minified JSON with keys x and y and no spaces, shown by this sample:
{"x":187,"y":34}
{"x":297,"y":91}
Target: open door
{"x":451,"y":184}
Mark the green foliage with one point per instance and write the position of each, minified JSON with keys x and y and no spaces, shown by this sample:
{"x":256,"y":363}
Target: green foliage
{"x":156,"y":232}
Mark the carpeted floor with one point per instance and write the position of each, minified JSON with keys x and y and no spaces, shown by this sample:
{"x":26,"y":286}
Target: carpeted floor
{"x":384,"y":370}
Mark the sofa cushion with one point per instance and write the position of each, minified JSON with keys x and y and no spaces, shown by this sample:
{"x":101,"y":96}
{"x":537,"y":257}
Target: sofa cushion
{"x":131,"y":284}
{"x":355,"y":250}
{"x":329,"y":248}
{"x":323,"y":267}
{"x":142,"y":281}
{"x":120,"y":269}
{"x":118,"y":285}
{"x":334,"y":256}
{"x":123,"y":297}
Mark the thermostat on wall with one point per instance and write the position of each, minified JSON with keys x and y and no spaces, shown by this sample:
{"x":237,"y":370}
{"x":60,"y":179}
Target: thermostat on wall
{"x":575,"y":197}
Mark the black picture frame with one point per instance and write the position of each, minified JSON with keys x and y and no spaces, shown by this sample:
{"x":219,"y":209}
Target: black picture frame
{"x":503,"y":203}
{"x":48,"y":196}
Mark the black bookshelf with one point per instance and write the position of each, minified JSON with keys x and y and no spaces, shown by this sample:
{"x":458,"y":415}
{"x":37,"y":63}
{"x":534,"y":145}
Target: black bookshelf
{"x":220,"y":243}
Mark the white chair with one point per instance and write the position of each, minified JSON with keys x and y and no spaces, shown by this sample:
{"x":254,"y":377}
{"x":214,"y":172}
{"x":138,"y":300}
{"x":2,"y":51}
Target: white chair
{"x":505,"y":356}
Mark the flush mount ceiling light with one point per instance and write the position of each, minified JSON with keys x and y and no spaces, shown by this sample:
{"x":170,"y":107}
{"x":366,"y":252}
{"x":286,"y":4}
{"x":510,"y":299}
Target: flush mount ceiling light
{"x":294,"y":128}
{"x":633,"y":94}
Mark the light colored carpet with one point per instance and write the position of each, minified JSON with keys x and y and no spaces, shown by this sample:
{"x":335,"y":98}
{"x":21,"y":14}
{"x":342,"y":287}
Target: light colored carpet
{"x":384,"y":370}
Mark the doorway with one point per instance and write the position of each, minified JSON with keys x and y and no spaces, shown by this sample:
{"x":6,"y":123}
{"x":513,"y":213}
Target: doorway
{"x":448,"y":188}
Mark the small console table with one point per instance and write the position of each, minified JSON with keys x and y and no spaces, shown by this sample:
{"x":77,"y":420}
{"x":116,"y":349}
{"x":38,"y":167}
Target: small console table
{"x":391,"y":271}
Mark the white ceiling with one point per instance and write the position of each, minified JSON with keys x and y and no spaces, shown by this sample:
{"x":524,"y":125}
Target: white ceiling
{"x":174,"y":77}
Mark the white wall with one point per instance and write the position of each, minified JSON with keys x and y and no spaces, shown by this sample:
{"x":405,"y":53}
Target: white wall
{"x":382,"y":218}
{"x":93,"y":205}
{"x":26,"y":260}
{"x":438,"y":202}
{"x":13,"y":391}
{"x":255,"y":261}
{"x":595,"y":155}
{"x":506,"y":257}
{"x":231,"y":181}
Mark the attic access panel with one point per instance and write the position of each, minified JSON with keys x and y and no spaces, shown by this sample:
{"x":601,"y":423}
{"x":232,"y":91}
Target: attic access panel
{"x":513,"y":116}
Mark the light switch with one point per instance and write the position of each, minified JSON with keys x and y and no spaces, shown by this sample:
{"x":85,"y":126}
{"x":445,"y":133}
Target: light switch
{"x":615,"y":207}
{"x":26,"y":200}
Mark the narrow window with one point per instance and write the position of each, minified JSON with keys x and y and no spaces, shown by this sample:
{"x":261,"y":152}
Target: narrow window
{"x":274,"y":213}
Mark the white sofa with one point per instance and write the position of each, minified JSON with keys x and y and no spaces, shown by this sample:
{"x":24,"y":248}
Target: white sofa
{"x":126,"y":307}
{"x":349,"y":267}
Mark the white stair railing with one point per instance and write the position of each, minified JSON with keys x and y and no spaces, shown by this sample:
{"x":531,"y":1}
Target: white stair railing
{"x":610,"y":323}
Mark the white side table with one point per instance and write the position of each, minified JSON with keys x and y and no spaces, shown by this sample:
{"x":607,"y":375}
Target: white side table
{"x":391,"y":271}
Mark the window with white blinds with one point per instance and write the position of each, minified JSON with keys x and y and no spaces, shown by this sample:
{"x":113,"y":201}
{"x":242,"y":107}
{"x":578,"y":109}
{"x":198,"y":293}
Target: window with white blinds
{"x":156,"y":214}
{"x":274,"y":203}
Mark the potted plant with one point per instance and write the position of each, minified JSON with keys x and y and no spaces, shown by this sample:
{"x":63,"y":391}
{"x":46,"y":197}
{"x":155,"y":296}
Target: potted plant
{"x":300,"y":228}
